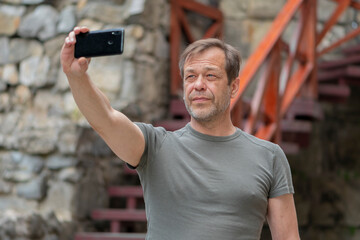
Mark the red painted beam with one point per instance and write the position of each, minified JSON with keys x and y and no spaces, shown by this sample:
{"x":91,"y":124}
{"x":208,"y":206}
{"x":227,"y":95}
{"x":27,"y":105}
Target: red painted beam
{"x":348,"y":37}
{"x":205,"y":10}
{"x":294,"y":86}
{"x":342,"y":6}
{"x":353,"y":3}
{"x":264,"y":48}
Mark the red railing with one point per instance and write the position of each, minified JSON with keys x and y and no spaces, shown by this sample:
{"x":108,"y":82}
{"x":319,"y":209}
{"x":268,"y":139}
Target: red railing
{"x":282,"y":78}
{"x":179,"y":25}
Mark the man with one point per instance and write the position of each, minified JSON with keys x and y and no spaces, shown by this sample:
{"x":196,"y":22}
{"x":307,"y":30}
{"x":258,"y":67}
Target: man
{"x":209,"y":180}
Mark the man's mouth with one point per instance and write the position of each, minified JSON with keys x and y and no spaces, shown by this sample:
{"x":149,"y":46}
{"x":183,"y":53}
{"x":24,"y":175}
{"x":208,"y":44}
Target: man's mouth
{"x":200,"y":99}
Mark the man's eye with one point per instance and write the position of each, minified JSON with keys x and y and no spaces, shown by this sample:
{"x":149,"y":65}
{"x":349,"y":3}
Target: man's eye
{"x":211,"y":76}
{"x":190,"y":77}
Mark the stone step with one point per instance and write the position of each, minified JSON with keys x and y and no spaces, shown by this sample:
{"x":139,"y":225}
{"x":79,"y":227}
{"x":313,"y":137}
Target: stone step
{"x":119,"y":215}
{"x":109,"y":236}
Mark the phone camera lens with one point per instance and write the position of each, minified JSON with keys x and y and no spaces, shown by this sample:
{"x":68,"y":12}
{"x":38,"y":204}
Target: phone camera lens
{"x":110,"y":42}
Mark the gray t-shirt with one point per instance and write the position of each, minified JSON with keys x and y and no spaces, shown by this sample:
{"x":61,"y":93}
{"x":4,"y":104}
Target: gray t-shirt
{"x":198,"y":186}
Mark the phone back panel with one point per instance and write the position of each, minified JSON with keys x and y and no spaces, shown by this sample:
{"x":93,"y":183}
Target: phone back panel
{"x":99,"y":43}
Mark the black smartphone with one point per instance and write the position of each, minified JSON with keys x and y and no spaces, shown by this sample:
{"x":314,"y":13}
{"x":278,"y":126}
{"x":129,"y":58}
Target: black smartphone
{"x":100,"y":43}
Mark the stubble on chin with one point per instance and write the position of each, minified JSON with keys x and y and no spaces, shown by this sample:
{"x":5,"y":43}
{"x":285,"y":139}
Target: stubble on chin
{"x":207,"y":114}
{"x":204,"y":114}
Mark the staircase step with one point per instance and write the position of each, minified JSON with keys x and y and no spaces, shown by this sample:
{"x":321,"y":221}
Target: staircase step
{"x":353,"y":71}
{"x":296,"y":126}
{"x":119,"y":215}
{"x":350,"y":60}
{"x":305,"y":108}
{"x":125,"y":191}
{"x":339,"y":73}
{"x":109,"y":236}
{"x":296,"y":132}
{"x":334,"y":92}
{"x":352,"y":50}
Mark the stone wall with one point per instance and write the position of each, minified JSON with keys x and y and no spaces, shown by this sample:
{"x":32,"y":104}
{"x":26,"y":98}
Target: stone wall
{"x":54,"y":169}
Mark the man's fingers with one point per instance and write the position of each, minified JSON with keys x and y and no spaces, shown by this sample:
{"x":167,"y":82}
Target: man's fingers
{"x":84,"y":29}
{"x":70,"y":39}
{"x":72,"y":36}
{"x":78,"y":30}
{"x":84,"y":61}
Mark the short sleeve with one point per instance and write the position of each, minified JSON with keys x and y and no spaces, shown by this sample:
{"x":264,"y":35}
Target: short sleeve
{"x":154,"y":137}
{"x":282,"y":179}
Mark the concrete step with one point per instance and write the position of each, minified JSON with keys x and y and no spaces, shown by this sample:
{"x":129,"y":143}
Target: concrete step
{"x":109,"y":236}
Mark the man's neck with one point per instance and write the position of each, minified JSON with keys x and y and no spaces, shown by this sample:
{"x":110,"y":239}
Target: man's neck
{"x":218,"y":127}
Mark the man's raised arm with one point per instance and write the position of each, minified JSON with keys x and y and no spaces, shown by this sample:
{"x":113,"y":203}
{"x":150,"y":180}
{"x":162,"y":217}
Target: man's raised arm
{"x":122,"y":136}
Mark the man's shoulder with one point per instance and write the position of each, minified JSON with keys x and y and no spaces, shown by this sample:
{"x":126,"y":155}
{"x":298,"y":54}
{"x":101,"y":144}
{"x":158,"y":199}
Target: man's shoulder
{"x":259,"y":143}
{"x":148,"y":128}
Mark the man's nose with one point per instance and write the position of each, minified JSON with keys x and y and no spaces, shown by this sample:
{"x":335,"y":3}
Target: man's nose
{"x":200,"y":84}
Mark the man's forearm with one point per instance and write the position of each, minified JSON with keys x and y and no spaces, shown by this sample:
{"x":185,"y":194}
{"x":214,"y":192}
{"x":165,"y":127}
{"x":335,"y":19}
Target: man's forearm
{"x":93,"y":104}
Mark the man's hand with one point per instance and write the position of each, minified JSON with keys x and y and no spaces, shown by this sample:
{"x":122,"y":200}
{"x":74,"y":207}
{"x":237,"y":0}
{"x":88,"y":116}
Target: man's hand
{"x":72,"y":66}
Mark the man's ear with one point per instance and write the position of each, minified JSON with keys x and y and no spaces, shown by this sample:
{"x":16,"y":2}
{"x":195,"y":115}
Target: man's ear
{"x":235,"y":87}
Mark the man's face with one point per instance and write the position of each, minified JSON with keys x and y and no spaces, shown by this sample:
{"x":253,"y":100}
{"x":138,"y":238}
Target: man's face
{"x":206,"y":90}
